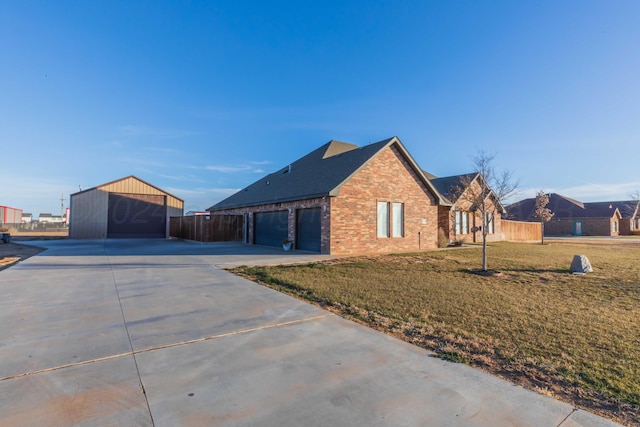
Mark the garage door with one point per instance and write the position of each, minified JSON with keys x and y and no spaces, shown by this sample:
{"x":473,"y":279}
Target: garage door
{"x":271,"y":228}
{"x":308,"y":229}
{"x":136,"y":215}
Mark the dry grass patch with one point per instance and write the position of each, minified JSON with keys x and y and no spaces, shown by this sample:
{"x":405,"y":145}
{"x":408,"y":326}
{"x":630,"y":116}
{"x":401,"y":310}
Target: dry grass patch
{"x":573,"y":337}
{"x":12,"y":253}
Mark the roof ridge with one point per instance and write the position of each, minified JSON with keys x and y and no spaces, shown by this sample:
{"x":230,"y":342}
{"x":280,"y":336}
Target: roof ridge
{"x":335,"y":147}
{"x":575,"y":202}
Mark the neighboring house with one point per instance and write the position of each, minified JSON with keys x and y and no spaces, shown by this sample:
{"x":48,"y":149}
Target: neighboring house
{"x":571,"y":217}
{"x":51,"y":219}
{"x":630,"y":212}
{"x":26,"y":218}
{"x":196,"y":213}
{"x":460,"y":220}
{"x":342,"y":199}
{"x":45,"y":217}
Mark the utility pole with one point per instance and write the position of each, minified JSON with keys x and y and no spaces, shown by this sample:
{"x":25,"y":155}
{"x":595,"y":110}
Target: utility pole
{"x":62,"y":205}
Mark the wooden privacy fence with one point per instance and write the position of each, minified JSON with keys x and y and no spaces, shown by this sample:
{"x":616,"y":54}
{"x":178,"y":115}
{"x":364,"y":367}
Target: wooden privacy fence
{"x":207,"y":228}
{"x":520,"y":231}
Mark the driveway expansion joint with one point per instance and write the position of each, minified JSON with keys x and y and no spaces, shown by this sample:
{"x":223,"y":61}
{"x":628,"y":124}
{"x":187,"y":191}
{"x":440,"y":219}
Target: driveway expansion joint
{"x":573,"y":410}
{"x":178,"y":344}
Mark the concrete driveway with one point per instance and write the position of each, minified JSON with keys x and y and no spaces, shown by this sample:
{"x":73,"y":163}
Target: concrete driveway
{"x":155,"y":333}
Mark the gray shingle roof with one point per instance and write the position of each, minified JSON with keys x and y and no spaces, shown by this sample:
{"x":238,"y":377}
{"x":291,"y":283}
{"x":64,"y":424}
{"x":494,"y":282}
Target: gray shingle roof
{"x":320,"y":173}
{"x":562,"y":207}
{"x":448,"y":185}
{"x":628,"y":208}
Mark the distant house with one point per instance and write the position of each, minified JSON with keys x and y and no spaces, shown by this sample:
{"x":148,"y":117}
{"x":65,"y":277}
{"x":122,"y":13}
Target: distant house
{"x":51,"y":219}
{"x":342,"y":199}
{"x":26,"y":218}
{"x":460,"y":219}
{"x":45,"y":217}
{"x":571,"y":217}
{"x":630,"y":212}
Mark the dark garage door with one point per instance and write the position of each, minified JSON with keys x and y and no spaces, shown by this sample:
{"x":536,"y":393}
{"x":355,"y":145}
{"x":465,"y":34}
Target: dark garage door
{"x":308,"y":229}
{"x":136,"y":215}
{"x":271,"y":228}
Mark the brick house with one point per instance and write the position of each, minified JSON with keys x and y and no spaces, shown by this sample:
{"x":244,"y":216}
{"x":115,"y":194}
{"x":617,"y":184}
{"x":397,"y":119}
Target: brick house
{"x":342,"y":199}
{"x":460,"y":219}
{"x":630,"y":216}
{"x":572,"y":217}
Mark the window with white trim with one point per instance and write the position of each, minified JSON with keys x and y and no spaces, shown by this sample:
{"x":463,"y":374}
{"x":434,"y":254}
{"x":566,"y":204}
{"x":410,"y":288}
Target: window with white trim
{"x":390,"y":219}
{"x":462,"y":222}
{"x":490,"y":223}
{"x":383,"y":219}
{"x":397,"y":220}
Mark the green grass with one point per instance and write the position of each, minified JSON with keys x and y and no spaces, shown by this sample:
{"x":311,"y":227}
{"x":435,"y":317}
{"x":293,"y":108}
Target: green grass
{"x":573,"y":337}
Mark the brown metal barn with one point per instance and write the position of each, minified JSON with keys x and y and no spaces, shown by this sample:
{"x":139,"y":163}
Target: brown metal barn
{"x":125,"y":208}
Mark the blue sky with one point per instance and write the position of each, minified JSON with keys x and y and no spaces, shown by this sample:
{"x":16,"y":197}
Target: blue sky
{"x":203,"y":98}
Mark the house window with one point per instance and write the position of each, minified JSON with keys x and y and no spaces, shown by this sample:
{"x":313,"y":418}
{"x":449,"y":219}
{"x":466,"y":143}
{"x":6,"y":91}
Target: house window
{"x":614,"y":226}
{"x":390,"y":219}
{"x":490,"y":223}
{"x":462,"y":222}
{"x":397,"y":218}
{"x":465,"y":222}
{"x":383,"y":219}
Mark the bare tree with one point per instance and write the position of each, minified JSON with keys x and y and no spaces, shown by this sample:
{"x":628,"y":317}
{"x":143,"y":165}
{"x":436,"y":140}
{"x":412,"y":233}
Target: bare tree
{"x":541,"y":212}
{"x":485,"y":192}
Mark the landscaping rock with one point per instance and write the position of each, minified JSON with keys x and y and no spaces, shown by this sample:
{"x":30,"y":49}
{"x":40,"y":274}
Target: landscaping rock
{"x":581,"y":264}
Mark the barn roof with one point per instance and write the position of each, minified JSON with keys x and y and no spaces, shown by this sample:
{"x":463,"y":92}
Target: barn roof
{"x":123,"y":179}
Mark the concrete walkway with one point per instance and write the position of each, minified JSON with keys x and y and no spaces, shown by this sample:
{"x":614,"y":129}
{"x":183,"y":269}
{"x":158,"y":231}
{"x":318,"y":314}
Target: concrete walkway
{"x":154,"y":333}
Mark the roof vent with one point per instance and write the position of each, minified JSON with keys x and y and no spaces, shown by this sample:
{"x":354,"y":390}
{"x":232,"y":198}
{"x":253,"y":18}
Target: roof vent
{"x":287,"y":170}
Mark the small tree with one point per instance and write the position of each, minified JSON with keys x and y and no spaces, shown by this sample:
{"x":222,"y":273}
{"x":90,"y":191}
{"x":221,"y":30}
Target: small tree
{"x":485,"y":193}
{"x":541,"y":212}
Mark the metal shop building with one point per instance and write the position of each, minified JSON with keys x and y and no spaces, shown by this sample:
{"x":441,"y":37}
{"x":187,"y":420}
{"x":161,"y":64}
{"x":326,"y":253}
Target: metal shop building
{"x":125,"y":208}
{"x":10,"y":216}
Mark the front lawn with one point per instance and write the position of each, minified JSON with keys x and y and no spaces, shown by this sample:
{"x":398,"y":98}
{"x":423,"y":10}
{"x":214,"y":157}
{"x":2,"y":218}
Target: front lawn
{"x":573,"y":337}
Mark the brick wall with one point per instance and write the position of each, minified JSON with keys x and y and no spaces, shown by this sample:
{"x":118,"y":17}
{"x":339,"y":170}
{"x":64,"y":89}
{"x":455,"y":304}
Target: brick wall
{"x":445,"y":222}
{"x":590,"y":226}
{"x":465,"y":203}
{"x":349,"y":220}
{"x":291,"y":207}
{"x":386,"y":178}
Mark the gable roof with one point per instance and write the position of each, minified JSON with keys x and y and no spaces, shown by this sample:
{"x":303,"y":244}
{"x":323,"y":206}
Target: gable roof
{"x":320,"y":173}
{"x":123,"y":179}
{"x":562,"y":207}
{"x":448,"y":185}
{"x":627,"y":208}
